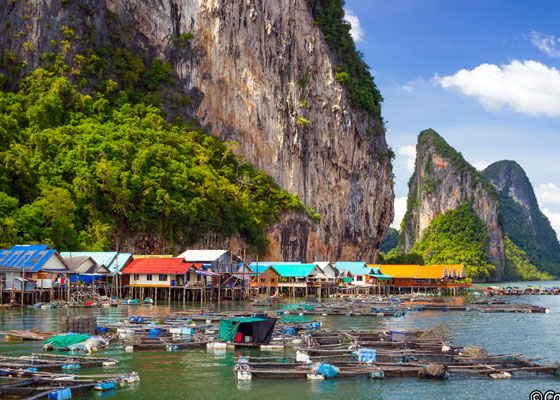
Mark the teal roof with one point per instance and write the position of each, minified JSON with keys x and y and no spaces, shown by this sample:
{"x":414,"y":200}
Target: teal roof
{"x":295,"y":271}
{"x":355,"y":268}
{"x":110,"y":259}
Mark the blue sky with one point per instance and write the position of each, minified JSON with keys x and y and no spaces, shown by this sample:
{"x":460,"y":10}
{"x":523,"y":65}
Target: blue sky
{"x":483,"y":74}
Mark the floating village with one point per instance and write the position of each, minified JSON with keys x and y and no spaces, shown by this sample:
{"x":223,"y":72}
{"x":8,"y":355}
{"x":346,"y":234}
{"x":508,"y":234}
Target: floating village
{"x":280,"y":323}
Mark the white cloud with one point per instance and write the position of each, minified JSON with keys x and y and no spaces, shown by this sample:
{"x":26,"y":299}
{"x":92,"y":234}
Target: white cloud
{"x":412,"y":84}
{"x":480,"y":165}
{"x":400,"y":210}
{"x":546,"y":43}
{"x":554,"y":219}
{"x":410,"y":153}
{"x":528,"y":87}
{"x":356,"y":29}
{"x":548,"y":193}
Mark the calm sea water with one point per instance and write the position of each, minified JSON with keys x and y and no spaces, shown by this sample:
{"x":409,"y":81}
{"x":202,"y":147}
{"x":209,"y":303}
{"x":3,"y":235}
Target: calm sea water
{"x":204,"y":375}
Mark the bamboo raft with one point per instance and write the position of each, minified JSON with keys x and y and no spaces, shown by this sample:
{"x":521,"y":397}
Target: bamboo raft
{"x":415,"y":353}
{"x":18,"y":335}
{"x":43,"y":361}
{"x":29,"y":377}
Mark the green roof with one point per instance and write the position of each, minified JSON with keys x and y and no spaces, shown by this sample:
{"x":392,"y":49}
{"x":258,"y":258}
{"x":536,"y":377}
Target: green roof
{"x":294,"y":271}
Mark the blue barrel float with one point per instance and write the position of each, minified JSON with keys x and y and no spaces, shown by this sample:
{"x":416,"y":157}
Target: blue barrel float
{"x":154,"y":333}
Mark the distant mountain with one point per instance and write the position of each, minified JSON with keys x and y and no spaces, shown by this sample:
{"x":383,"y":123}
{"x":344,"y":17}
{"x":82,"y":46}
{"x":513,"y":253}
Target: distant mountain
{"x":522,"y":220}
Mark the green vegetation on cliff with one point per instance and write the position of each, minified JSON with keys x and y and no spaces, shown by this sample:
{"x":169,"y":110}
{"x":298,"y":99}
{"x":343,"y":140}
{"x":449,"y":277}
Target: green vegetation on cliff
{"x":351,"y":69}
{"x":528,"y":228}
{"x":456,"y":159}
{"x":391,"y":241}
{"x":518,"y":266}
{"x":79,"y":170}
{"x":458,"y":237}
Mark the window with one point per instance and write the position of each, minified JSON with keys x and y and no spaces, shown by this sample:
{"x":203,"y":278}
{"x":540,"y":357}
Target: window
{"x":262,"y":280}
{"x":272,"y":280}
{"x":149,"y":277}
{"x":162,"y":277}
{"x":136,"y":277}
{"x":359,"y":278}
{"x":29,"y":275}
{"x":198,"y":277}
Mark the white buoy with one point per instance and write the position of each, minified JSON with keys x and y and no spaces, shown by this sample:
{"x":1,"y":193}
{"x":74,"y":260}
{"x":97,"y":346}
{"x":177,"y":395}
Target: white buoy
{"x":315,"y":377}
{"x":244,"y":375}
{"x":129,"y":349}
{"x":109,"y":363}
{"x":302,"y":357}
{"x":445,"y":348}
{"x":501,"y":375}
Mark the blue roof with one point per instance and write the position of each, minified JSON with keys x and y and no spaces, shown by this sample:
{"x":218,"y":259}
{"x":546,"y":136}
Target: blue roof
{"x":27,"y":257}
{"x":261,"y":266}
{"x":110,"y":259}
{"x":294,"y":270}
{"x":355,"y":268}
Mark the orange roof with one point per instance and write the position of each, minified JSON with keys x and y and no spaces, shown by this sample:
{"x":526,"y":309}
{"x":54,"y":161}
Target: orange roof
{"x":400,"y":271}
{"x":424,"y":271}
{"x":432,"y":272}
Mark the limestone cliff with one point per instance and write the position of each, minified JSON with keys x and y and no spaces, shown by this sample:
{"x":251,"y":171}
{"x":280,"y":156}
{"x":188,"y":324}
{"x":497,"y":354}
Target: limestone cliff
{"x":524,"y":223}
{"x":261,"y":74}
{"x":444,"y":181}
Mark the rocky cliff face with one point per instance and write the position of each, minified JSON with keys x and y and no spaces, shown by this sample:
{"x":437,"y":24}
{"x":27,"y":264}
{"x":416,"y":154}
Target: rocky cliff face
{"x":524,"y":223}
{"x":443,"y":181}
{"x":264,"y":77}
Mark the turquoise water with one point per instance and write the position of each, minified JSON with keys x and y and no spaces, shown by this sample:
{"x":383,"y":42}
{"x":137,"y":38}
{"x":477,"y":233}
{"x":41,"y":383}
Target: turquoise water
{"x":205,"y":375}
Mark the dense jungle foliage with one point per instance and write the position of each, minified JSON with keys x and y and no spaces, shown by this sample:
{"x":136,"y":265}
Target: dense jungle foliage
{"x":458,"y":237}
{"x":351,"y":69}
{"x":77,"y":170}
{"x":391,"y":241}
{"x":518,"y":266}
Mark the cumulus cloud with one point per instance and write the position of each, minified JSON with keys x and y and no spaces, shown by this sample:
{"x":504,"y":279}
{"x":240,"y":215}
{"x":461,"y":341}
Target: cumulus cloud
{"x":528,"y":87}
{"x":548,"y":193}
{"x":410,"y":153}
{"x":400,"y":210}
{"x":480,"y":165}
{"x":356,"y":29}
{"x":554,"y":219}
{"x":546,"y":43}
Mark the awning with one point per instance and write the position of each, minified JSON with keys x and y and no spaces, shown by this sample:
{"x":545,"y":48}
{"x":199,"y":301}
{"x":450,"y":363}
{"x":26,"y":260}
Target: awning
{"x":207,"y":273}
{"x":382,"y":277}
{"x":260,"y":329}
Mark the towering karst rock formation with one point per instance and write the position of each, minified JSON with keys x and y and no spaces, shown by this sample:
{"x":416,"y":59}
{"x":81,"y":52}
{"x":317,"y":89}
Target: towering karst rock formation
{"x":262,"y":74}
{"x":444,"y":181}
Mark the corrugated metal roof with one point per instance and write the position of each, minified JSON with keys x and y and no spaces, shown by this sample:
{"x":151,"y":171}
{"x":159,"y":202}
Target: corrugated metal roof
{"x":159,"y":266}
{"x":355,"y":268}
{"x":28,"y":257}
{"x":110,"y":259}
{"x":202,"y":255}
{"x":80,"y":264}
{"x":294,"y":270}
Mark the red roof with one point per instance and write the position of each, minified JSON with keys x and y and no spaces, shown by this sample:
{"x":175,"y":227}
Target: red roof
{"x":159,"y":266}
